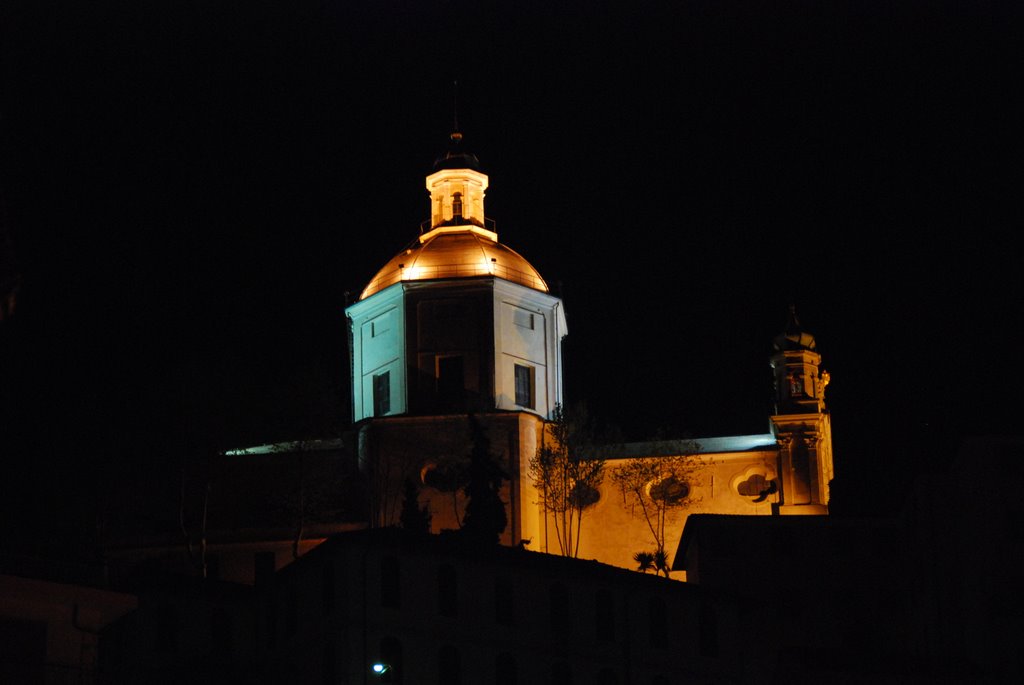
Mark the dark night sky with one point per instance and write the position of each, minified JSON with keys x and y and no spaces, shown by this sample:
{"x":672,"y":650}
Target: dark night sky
{"x":193,"y":187}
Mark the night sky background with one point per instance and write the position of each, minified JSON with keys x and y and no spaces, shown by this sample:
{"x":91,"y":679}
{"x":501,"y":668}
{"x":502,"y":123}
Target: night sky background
{"x":193,"y":189}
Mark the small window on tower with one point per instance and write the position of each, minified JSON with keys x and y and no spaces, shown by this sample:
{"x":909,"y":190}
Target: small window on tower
{"x":524,"y":386}
{"x":381,"y":393}
{"x":523,"y":318}
{"x":457,"y":206}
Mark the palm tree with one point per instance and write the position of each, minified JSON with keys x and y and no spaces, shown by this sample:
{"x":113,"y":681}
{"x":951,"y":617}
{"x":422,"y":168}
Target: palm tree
{"x":661,"y":561}
{"x":644,"y":560}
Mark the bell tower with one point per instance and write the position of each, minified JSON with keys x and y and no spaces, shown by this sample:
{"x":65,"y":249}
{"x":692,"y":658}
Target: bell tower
{"x":801,"y":421}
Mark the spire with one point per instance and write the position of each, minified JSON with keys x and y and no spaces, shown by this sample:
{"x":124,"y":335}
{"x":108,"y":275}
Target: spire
{"x":456,"y":157}
{"x":793,"y":324}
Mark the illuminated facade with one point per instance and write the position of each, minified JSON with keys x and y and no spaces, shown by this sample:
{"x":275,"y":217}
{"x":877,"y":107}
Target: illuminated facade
{"x":459,"y":324}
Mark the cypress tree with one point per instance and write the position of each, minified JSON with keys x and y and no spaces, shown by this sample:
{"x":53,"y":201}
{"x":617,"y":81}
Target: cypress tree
{"x":485,"y":519}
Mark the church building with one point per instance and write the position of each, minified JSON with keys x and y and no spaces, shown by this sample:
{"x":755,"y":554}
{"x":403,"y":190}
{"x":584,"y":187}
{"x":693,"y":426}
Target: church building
{"x":457,"y":324}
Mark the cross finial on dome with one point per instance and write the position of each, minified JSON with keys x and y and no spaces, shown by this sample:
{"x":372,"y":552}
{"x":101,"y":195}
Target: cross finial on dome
{"x":793,"y":323}
{"x":456,"y":136}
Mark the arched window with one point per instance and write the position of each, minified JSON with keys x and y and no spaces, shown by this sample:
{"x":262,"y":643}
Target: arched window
{"x":506,"y":671}
{"x":604,"y":611}
{"x":457,"y":206}
{"x":447,"y":591}
{"x":390,"y":583}
{"x":391,"y":657}
{"x":449,"y":668}
{"x":657,"y":623}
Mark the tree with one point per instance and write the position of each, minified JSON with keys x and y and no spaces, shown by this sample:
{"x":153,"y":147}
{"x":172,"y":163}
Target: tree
{"x":485,"y":518}
{"x":449,"y":474}
{"x":644,"y":561}
{"x":414,"y":518}
{"x":658,"y":488}
{"x":566,"y":480}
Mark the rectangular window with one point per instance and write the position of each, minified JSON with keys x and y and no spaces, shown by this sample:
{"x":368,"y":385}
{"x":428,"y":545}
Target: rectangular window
{"x":524,"y":386}
{"x":381,"y":393}
{"x":522,"y":318}
{"x":380,"y":325}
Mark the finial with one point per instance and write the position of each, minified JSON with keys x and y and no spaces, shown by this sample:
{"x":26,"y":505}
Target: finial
{"x":794,"y":323}
{"x":456,"y":135}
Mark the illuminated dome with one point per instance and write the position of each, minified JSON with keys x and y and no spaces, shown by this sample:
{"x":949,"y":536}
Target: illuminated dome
{"x":461,"y":242}
{"x":456,"y":252}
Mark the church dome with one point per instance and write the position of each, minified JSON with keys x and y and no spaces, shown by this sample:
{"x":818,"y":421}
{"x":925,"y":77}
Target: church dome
{"x":456,"y":252}
{"x":461,"y":242}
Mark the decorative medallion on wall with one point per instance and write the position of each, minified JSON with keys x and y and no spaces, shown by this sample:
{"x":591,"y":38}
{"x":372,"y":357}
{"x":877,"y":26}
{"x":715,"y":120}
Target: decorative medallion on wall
{"x":756,"y":484}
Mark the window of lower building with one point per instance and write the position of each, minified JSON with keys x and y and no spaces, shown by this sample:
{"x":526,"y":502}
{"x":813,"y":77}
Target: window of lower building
{"x":390,"y":583}
{"x":447,"y":591}
{"x":561,"y":674}
{"x":449,"y":667}
{"x":504,"y":602}
{"x":605,"y":613}
{"x":264,"y":565}
{"x":708,"y":631}
{"x":167,"y":630}
{"x":524,"y":386}
{"x":506,"y":671}
{"x":657,"y":616}
{"x":391,"y":656}
{"x":329,"y":587}
{"x":329,"y":669}
{"x":560,"y":616}
{"x":291,"y":617}
{"x":221,"y":631}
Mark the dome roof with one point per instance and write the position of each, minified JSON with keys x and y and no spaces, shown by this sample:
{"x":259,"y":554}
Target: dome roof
{"x":456,"y":252}
{"x":794,"y":337}
{"x":457,"y":160}
{"x":456,"y":157}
